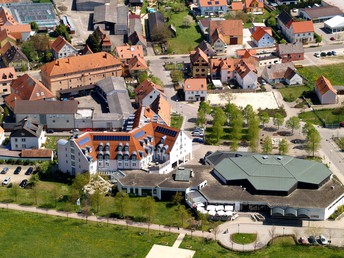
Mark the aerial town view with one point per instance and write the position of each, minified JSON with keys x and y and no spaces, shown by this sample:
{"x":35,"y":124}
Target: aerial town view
{"x":172,"y":128}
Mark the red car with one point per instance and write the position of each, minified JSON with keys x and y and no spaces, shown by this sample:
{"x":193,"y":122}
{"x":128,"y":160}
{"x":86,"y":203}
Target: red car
{"x":332,"y":38}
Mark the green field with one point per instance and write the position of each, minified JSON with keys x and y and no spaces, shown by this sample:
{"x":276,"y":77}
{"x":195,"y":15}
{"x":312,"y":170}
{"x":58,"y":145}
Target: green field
{"x":290,"y":94}
{"x":51,"y":142}
{"x":243,"y":238}
{"x":329,"y":116}
{"x":281,"y":248}
{"x":35,"y":235}
{"x":187,"y":38}
{"x":176,"y":121}
{"x":331,"y":72}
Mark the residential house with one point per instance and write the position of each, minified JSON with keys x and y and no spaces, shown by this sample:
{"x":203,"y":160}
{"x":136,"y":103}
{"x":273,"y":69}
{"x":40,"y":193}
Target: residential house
{"x":20,"y":32}
{"x":2,"y":135}
{"x":237,"y":6}
{"x":7,"y":75}
{"x":223,"y":69}
{"x":262,"y":37}
{"x":218,"y":42}
{"x":295,"y":31}
{"x":89,"y":5}
{"x":212,"y":7}
{"x":199,"y":63}
{"x":203,"y":24}
{"x":27,"y":134}
{"x":246,"y":75}
{"x":246,"y":53}
{"x":135,"y":24}
{"x":163,"y":109}
{"x":254,"y":6}
{"x":105,"y":42}
{"x":137,"y":65}
{"x":137,"y":39}
{"x":62,"y":48}
{"x":26,"y":87}
{"x":206,"y":48}
{"x":112,"y":18}
{"x":195,"y":89}
{"x":147,"y":92}
{"x":334,"y":25}
{"x":6,"y":37}
{"x":127,"y":52}
{"x":6,"y":17}
{"x":76,"y":71}
{"x":325,"y":91}
{"x":320,"y":14}
{"x":12,"y":56}
{"x":144,"y":115}
{"x":156,"y":27}
{"x":286,"y":2}
{"x":282,"y":73}
{"x":290,"y":52}
{"x":229,"y":31}
{"x":154,"y":147}
{"x":86,"y":50}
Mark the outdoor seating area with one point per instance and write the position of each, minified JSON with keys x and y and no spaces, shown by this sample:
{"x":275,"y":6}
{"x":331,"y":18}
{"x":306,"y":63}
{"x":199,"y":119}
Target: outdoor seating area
{"x":218,"y":212}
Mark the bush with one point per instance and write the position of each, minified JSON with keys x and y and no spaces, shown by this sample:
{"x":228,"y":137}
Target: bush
{"x":317,"y":38}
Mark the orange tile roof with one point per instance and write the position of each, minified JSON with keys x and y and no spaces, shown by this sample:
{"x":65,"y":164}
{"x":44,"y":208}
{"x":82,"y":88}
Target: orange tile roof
{"x":6,"y":34}
{"x":237,"y":6}
{"x":27,"y":87}
{"x":206,"y":3}
{"x":217,"y":64}
{"x":260,"y":32}
{"x":17,"y":29}
{"x":324,"y":85}
{"x":6,"y":16}
{"x":193,"y":84}
{"x":163,"y":108}
{"x":77,"y":64}
{"x":59,"y":43}
{"x":145,"y":88}
{"x":36,"y":153}
{"x":127,"y":51}
{"x":195,"y":55}
{"x":246,"y":52}
{"x":243,"y":68}
{"x":248,"y":3}
{"x":226,"y":27}
{"x":137,"y":64}
{"x":2,"y":130}
{"x":302,"y":26}
{"x":135,"y":140}
{"x":7,"y":73}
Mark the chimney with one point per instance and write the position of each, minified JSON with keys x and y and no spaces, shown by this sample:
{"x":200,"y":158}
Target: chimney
{"x":105,"y":55}
{"x":57,"y":62}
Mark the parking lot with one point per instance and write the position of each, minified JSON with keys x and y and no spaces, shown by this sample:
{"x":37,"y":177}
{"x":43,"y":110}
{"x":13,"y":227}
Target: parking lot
{"x":15,"y":178}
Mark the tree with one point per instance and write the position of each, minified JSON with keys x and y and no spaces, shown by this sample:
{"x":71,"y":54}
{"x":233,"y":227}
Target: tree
{"x":205,"y":107}
{"x":48,"y":56}
{"x":177,"y":198}
{"x":219,"y":116}
{"x":307,"y":127}
{"x":68,"y":208}
{"x":278,"y":120}
{"x":160,"y":34}
{"x":201,"y":118}
{"x":177,"y":75}
{"x":148,"y":209}
{"x":218,"y":130}
{"x":264,"y":118}
{"x":237,"y":121}
{"x":183,"y":214}
{"x":40,"y":43}
{"x":86,"y":211}
{"x":97,"y":199}
{"x":15,"y":191}
{"x":29,"y":50}
{"x":248,"y":112}
{"x":34,"y":26}
{"x":313,"y":141}
{"x":93,"y":41}
{"x":293,"y":123}
{"x":187,"y":21}
{"x":122,"y":203}
{"x":61,"y":30}
{"x":55,"y":194}
{"x":35,"y":193}
{"x":267,"y":145}
{"x":272,"y":22}
{"x":253,"y":133}
{"x":317,"y":38}
{"x":283,"y":147}
{"x":80,"y":181}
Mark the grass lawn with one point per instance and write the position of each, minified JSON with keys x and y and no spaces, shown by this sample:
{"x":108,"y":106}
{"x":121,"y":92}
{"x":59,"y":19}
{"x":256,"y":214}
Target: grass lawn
{"x":327,"y":115}
{"x":187,"y":38}
{"x":282,"y":247}
{"x":211,"y":138}
{"x":51,"y":142}
{"x":174,"y":66}
{"x":36,"y":235}
{"x":290,"y":94}
{"x":312,"y":73}
{"x":243,"y":238}
{"x":176,"y":121}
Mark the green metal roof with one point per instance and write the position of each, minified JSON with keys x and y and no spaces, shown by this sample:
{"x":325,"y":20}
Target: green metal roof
{"x":272,"y":172}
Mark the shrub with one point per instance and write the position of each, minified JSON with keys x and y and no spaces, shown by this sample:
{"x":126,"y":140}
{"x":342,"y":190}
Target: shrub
{"x":317,"y":38}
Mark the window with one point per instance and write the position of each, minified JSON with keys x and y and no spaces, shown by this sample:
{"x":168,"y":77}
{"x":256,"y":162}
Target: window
{"x":53,"y":121}
{"x":67,"y":121}
{"x":23,"y":140}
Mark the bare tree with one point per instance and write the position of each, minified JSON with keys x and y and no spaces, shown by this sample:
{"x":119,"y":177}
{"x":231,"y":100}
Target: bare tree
{"x":35,"y":193}
{"x":86,"y":211}
{"x":272,"y":233}
{"x":15,"y":192}
{"x":55,"y":195}
{"x":216,"y":231}
{"x":68,"y":208}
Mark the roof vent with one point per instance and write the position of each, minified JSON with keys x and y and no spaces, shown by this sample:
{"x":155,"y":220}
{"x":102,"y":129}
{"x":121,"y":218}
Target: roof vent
{"x":279,"y":157}
{"x":265,"y":157}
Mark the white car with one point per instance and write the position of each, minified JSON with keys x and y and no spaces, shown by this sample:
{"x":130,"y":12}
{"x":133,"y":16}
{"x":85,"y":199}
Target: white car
{"x":317,"y":54}
{"x":6,"y":181}
{"x":323,"y":240}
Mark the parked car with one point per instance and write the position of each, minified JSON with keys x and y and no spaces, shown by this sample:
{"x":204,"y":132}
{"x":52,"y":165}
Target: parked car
{"x":303,"y":241}
{"x":17,"y":170}
{"x":323,"y":240}
{"x":199,"y":140}
{"x":29,"y":171}
{"x":4,"y":170}
{"x":341,"y":124}
{"x":334,"y":53}
{"x":6,"y":181}
{"x":329,"y":53}
{"x":312,"y":240}
{"x":23,"y":183}
{"x":323,"y":53}
{"x":197,"y":133}
{"x":50,"y":131}
{"x":208,"y":153}
{"x":317,"y":54}
{"x":332,"y":38}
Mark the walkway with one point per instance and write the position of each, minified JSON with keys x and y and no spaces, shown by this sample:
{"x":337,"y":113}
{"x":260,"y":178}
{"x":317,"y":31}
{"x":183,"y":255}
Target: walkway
{"x":179,"y":240}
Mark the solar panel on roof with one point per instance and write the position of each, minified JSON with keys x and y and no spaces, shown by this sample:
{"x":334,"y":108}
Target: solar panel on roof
{"x":166,"y":131}
{"x":111,"y":138}
{"x":139,"y":134}
{"x":84,"y":141}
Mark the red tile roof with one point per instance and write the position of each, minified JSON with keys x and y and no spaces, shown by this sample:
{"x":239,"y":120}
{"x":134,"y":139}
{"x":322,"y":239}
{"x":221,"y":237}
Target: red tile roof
{"x":145,"y":88}
{"x":217,"y":64}
{"x":226,"y":27}
{"x":127,"y":51}
{"x":207,"y":3}
{"x":260,"y":32}
{"x":7,"y":73}
{"x":17,"y":30}
{"x":6,"y":34}
{"x":302,"y":26}
{"x":324,"y":85}
{"x":36,"y":153}
{"x":237,"y":6}
{"x":137,"y":64}
{"x":163,"y":108}
{"x":59,"y":43}
{"x":248,"y":3}
{"x":193,"y":84}
{"x":195,"y":55}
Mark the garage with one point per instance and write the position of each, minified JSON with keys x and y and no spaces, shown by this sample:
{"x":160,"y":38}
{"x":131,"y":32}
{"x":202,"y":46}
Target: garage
{"x":233,"y":41}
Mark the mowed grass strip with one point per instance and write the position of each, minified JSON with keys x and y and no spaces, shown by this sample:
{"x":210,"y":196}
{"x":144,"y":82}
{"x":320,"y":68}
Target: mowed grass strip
{"x":243,"y":238}
{"x":26,"y":234}
{"x":332,"y":72}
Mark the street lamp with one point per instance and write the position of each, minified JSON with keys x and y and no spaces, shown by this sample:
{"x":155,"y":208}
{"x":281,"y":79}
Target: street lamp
{"x":238,"y":228}
{"x":283,"y":230}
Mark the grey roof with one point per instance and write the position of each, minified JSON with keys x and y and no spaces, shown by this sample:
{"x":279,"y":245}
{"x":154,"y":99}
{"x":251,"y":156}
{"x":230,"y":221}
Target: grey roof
{"x":46,"y":107}
{"x":122,"y":15}
{"x":27,"y":127}
{"x":116,"y":95}
{"x":183,"y":175}
{"x":206,"y":48}
{"x":290,"y":48}
{"x":135,"y":25}
{"x":284,"y":17}
{"x":14,"y":54}
{"x":322,"y":11}
{"x":273,"y":173}
{"x":277,"y":71}
{"x":106,"y":13}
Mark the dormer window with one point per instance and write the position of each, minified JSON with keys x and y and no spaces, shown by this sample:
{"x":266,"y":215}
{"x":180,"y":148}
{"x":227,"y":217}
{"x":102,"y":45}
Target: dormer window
{"x":107,"y":146}
{"x":120,"y":146}
{"x":100,"y":157}
{"x":119,"y":156}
